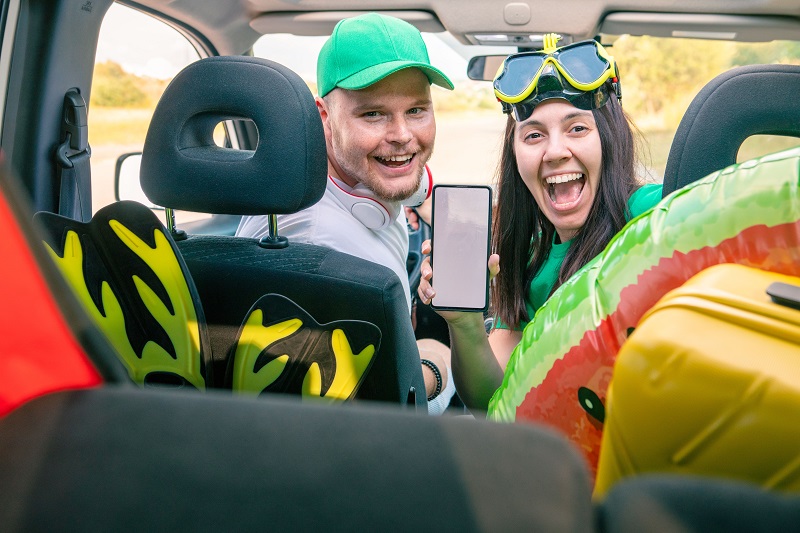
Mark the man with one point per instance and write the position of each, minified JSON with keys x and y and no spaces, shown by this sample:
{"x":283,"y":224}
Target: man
{"x":373,"y":80}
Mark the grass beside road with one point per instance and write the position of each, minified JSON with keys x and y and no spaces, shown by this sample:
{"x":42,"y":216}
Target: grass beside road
{"x":467,"y":142}
{"x":110,"y":125}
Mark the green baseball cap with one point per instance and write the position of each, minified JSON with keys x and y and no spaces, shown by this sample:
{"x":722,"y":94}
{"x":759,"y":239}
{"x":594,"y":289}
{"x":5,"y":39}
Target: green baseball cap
{"x":365,"y":49}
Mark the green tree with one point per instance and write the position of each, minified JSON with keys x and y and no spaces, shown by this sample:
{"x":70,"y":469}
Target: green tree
{"x":659,"y":74}
{"x":113,"y":87}
{"x":773,"y":52}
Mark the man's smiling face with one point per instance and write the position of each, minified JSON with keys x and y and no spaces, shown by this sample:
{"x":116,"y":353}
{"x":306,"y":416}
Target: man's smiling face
{"x":381,"y":136}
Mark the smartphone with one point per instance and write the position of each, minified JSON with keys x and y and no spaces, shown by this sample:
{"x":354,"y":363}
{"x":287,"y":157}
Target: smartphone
{"x":461,"y":225}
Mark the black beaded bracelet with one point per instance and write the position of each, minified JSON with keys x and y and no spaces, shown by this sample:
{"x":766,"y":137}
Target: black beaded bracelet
{"x":435,"y":370}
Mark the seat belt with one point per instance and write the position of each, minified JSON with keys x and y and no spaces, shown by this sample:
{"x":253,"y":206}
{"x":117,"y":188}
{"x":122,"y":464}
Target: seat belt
{"x":72,"y":159}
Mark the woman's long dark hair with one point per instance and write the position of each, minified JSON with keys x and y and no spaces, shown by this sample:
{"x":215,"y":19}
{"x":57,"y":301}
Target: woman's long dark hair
{"x":523,"y":236}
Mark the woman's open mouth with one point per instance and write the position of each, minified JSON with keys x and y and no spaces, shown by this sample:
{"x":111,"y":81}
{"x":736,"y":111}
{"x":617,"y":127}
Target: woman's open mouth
{"x":565,"y":189}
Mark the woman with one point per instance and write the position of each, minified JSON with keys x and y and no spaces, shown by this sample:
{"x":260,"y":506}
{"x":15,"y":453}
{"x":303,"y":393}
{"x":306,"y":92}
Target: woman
{"x":566,"y":185}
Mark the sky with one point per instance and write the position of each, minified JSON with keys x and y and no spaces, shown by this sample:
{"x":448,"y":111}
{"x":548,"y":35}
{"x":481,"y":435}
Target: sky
{"x":160,"y":55}
{"x":164,"y":52}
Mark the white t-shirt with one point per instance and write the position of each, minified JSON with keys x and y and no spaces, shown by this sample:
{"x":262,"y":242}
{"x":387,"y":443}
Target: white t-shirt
{"x":329,"y":223}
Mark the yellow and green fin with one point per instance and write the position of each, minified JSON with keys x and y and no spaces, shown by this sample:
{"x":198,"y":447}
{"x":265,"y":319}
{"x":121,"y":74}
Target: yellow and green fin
{"x":130,"y":277}
{"x":281,"y":348}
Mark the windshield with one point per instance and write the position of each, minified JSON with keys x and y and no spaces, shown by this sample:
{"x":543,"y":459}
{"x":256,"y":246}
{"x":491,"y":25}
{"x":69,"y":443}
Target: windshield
{"x":656,"y":92}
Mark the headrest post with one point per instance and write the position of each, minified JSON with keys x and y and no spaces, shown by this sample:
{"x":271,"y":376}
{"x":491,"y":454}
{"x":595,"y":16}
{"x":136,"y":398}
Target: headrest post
{"x":273,"y":240}
{"x":177,"y":234}
{"x":273,"y":227}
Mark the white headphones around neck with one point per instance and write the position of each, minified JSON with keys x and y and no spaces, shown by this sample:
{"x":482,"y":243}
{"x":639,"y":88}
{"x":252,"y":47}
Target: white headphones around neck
{"x":374,"y":213}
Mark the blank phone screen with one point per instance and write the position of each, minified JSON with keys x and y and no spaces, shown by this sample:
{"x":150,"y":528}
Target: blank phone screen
{"x":460,"y":239}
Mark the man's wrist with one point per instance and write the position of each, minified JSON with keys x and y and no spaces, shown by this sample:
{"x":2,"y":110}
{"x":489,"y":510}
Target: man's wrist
{"x":433,"y":381}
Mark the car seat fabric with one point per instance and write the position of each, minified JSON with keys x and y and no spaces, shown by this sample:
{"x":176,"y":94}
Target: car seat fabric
{"x":688,"y":504}
{"x":744,"y":101}
{"x":125,"y":269}
{"x":155,"y":460}
{"x":183,"y":168}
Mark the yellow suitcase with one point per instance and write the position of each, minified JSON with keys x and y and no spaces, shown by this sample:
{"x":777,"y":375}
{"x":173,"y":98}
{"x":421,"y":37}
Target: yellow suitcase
{"x":709,"y":384}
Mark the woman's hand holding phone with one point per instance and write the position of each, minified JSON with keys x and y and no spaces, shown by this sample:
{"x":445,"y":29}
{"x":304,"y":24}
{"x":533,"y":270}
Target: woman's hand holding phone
{"x":461,"y":235}
{"x":426,"y":292}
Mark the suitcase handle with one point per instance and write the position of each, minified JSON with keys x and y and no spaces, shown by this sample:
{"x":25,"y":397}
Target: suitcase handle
{"x":785,"y":294}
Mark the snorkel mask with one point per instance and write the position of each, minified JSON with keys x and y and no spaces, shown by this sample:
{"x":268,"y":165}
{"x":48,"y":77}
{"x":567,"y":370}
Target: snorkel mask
{"x":577,"y":73}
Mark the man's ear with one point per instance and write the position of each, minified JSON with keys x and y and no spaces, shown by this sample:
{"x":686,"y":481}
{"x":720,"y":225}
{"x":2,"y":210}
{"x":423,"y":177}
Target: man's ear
{"x":320,"y":103}
{"x":324,"y":114}
{"x":322,"y":107}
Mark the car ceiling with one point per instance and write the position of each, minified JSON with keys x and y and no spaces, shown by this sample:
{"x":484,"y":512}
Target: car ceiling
{"x":233,"y":26}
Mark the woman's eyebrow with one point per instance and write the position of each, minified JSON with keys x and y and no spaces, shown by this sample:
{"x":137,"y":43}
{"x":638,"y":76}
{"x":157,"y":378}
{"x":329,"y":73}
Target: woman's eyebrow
{"x":530,"y":122}
{"x":576,"y":114}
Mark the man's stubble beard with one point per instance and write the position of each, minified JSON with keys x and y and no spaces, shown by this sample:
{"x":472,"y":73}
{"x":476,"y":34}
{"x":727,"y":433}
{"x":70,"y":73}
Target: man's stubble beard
{"x":370,"y":181}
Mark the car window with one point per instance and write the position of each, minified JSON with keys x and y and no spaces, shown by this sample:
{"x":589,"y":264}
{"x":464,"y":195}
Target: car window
{"x":137,"y":56}
{"x":759,"y":145}
{"x":661,"y":76}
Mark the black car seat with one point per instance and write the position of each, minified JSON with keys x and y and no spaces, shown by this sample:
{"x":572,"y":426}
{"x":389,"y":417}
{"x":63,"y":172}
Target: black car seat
{"x":125,"y":269}
{"x":744,"y":101}
{"x":115,"y":460}
{"x":286,"y":171}
{"x":664,"y":503}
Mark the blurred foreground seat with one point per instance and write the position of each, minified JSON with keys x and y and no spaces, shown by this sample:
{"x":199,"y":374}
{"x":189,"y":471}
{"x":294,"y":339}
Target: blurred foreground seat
{"x":111,"y":460}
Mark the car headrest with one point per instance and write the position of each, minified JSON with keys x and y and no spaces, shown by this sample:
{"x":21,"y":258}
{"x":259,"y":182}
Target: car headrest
{"x":183,"y":168}
{"x":744,"y":101}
